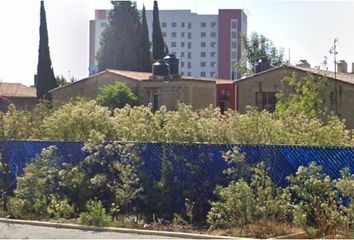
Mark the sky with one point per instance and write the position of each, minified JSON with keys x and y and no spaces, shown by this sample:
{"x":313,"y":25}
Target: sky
{"x":306,"y":28}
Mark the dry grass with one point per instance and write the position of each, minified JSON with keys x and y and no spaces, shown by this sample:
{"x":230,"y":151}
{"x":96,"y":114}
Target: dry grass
{"x":259,"y":230}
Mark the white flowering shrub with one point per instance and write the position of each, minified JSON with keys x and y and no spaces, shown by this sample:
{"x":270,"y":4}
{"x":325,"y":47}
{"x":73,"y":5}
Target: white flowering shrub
{"x":318,"y":206}
{"x":112,"y":169}
{"x":37,"y":188}
{"x":75,"y":121}
{"x":250,"y":198}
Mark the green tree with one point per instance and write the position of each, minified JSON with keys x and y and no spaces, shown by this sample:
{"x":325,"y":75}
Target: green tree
{"x":116,"y":95}
{"x":258,"y":47}
{"x":145,"y":59}
{"x":45,"y":76}
{"x":307,"y":95}
{"x":159,"y":48}
{"x":61,"y":81}
{"x":121,"y":40}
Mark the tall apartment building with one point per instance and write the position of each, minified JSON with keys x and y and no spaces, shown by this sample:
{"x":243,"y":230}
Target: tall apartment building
{"x":207,"y":45}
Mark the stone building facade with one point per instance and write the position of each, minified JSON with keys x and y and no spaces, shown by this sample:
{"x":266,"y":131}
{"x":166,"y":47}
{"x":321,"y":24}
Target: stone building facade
{"x":259,"y":90}
{"x":23,"y":97}
{"x":197,"y":92}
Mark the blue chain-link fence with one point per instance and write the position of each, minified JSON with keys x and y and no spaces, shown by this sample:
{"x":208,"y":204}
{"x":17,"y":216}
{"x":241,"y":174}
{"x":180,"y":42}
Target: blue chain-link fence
{"x":205,"y":158}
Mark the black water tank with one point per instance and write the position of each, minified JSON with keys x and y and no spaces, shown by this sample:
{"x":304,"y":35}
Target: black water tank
{"x":262,"y":65}
{"x":160,"y":68}
{"x":171,"y":60}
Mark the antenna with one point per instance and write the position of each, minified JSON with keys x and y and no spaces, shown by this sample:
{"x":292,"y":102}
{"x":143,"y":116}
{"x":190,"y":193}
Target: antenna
{"x":334,"y":52}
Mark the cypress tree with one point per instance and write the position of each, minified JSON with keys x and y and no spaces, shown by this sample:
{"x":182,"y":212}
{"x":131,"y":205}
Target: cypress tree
{"x":45,"y":80}
{"x":158,"y":44}
{"x":121,"y":44}
{"x":145,"y":44}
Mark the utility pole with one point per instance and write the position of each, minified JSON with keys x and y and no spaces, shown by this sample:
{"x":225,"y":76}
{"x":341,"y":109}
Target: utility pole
{"x":334,"y":52}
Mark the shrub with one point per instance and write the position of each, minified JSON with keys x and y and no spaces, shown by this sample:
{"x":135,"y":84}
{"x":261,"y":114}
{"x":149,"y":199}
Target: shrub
{"x":318,"y":207}
{"x":35,"y":186}
{"x":75,"y":121}
{"x":250,"y":198}
{"x":94,"y":215}
{"x":116,"y":95}
{"x":235,"y":208}
{"x":112,"y":170}
{"x":59,"y":209}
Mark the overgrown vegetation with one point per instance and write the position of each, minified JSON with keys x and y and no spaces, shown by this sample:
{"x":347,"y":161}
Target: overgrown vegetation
{"x":116,"y":195}
{"x":118,"y":191}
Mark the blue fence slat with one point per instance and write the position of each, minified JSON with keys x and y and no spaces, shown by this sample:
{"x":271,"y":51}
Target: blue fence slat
{"x":281,"y":159}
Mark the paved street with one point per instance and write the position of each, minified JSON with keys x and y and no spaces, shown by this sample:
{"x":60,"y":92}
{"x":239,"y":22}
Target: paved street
{"x":29,"y":232}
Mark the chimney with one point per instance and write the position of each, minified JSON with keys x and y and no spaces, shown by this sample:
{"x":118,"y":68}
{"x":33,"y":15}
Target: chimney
{"x":303,"y":63}
{"x":342,"y":66}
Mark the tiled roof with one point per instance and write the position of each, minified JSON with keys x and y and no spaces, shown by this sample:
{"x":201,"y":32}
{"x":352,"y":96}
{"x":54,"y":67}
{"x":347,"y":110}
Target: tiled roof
{"x":140,"y":76}
{"x":16,"y":90}
{"x":342,"y":77}
{"x":224,"y":81}
{"x":143,"y":76}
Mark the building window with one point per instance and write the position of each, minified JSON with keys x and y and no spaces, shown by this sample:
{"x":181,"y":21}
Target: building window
{"x":189,"y":45}
{"x":234,"y":45}
{"x":213,"y":34}
{"x":202,"y":74}
{"x":189,"y":25}
{"x":266,"y":100}
{"x":212,"y":74}
{"x":234,"y":24}
{"x":155,"y":103}
{"x":164,"y":34}
{"x":182,"y":34}
{"x":212,"y":54}
{"x":203,"y":64}
{"x":173,"y":44}
{"x":189,"y":35}
{"x":182,"y":54}
{"x":203,"y":44}
{"x":213,"y":24}
{"x":163,"y":24}
{"x":182,"y":44}
{"x":189,"y":65}
{"x":189,"y":55}
{"x":173,"y":34}
{"x":182,"y":64}
{"x":224,"y":100}
{"x":182,"y":24}
{"x":233,"y":54}
{"x":213,"y":44}
{"x":202,"y":54}
{"x":212,"y":64}
{"x":189,"y":74}
{"x":234,"y":35}
{"x":203,"y":34}
{"x":173,"y":24}
{"x":203,"y":24}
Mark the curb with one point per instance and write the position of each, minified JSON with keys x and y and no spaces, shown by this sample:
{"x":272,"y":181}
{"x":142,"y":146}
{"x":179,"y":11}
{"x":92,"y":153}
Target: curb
{"x":299,"y":235}
{"x":118,"y":230}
